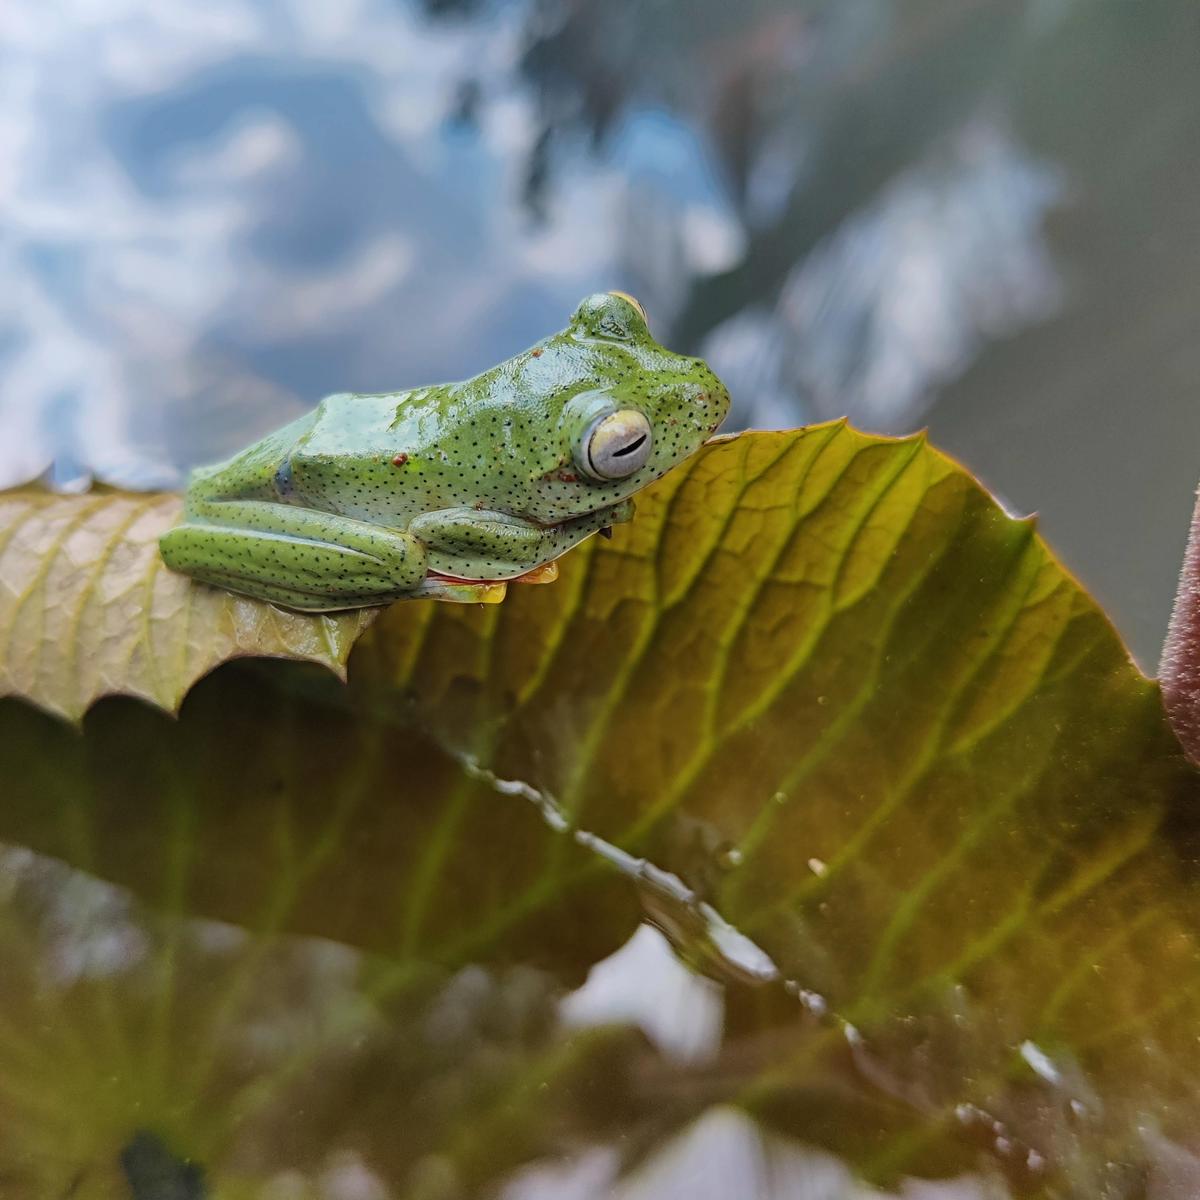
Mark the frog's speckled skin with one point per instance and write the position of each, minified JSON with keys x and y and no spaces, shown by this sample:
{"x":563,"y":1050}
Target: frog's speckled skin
{"x":371,"y":498}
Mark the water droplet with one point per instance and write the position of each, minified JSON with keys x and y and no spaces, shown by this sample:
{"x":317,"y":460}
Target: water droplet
{"x":1040,"y":1063}
{"x":814,"y":1002}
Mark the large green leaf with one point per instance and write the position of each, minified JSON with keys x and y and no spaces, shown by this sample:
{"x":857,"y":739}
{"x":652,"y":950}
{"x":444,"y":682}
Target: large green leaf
{"x":848,"y":732}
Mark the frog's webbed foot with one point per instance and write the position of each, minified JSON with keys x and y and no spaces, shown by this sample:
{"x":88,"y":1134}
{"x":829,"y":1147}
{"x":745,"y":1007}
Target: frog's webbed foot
{"x":470,"y":591}
{"x":459,"y":591}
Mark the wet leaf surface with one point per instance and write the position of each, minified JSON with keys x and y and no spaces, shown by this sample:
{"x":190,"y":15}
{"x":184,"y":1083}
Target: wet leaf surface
{"x":823,"y":714}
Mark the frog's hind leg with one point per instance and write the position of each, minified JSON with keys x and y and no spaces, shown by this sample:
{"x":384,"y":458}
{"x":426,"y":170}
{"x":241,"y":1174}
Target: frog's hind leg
{"x":306,"y":560}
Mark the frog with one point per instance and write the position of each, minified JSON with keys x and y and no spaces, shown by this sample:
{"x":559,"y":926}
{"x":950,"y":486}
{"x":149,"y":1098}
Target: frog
{"x":451,"y":491}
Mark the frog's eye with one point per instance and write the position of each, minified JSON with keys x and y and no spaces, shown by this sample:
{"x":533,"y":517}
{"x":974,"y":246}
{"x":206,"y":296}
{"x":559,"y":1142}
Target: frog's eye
{"x":616,"y":316}
{"x":617,"y":445}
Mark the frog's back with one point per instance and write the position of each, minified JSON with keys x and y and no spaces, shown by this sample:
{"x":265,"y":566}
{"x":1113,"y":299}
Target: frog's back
{"x":365,"y":456}
{"x":381,"y":457}
{"x":341,"y":425}
{"x":349,"y":424}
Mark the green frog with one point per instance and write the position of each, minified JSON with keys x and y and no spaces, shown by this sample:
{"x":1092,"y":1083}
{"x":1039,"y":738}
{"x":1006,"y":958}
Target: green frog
{"x":447,"y":491}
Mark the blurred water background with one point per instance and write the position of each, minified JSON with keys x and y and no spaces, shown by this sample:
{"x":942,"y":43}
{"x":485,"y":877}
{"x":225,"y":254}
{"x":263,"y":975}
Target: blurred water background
{"x":977,"y":216}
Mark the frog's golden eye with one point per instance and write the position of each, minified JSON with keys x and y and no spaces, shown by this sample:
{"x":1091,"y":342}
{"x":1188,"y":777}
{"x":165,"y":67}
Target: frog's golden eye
{"x":617,"y":445}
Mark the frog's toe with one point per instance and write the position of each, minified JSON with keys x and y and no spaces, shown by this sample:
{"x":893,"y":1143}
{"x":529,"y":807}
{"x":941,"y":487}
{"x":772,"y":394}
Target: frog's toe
{"x":546,"y":573}
{"x":460,"y":591}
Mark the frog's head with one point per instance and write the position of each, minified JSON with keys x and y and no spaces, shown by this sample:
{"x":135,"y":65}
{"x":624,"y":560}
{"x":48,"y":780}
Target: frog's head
{"x":628,"y":409}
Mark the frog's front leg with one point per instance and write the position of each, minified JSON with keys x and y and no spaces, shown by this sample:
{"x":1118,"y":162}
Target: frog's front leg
{"x":297,"y":557}
{"x":469,"y":543}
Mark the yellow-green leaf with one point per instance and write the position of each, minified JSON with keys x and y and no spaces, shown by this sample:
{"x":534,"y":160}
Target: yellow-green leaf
{"x":823,"y":700}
